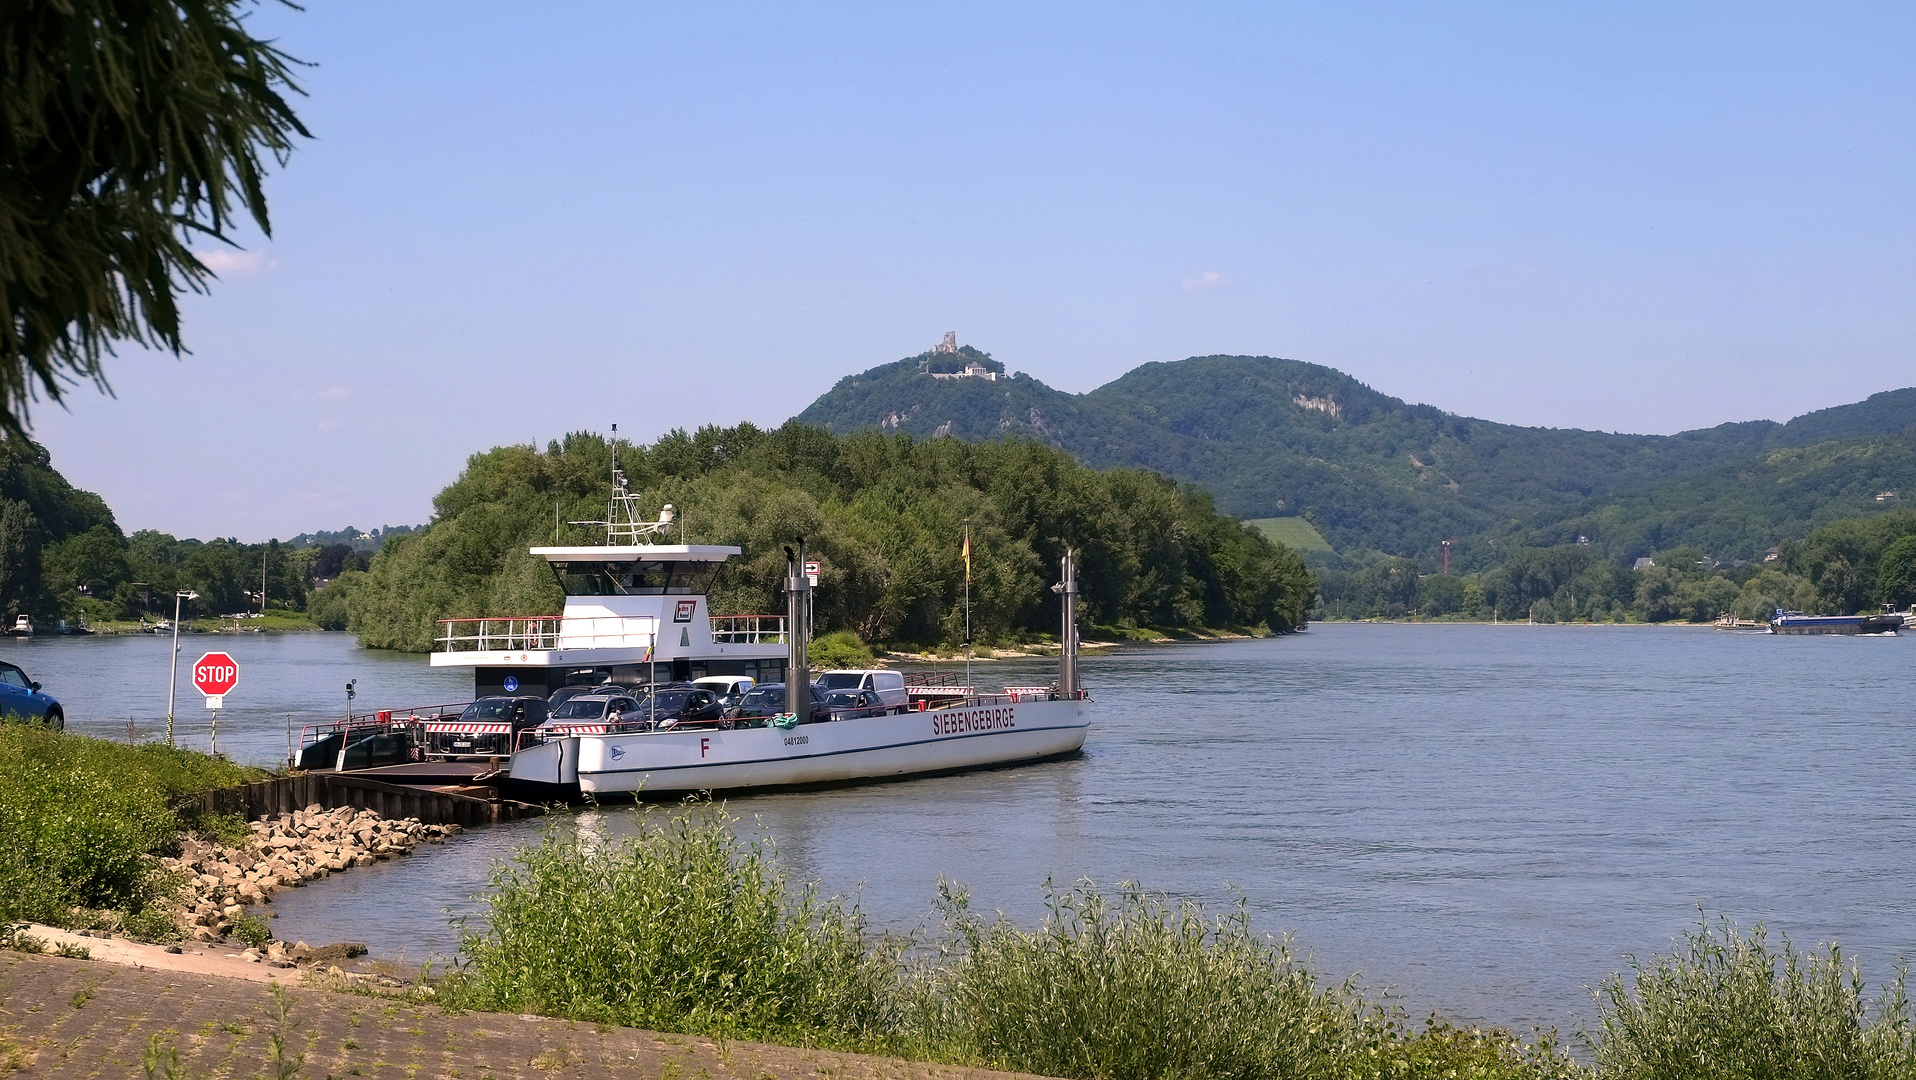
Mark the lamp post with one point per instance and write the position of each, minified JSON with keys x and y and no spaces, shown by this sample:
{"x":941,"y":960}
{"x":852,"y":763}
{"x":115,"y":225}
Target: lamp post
{"x":173,"y":678}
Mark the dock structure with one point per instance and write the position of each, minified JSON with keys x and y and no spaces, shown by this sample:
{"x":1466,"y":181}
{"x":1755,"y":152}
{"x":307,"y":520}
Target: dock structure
{"x":470,"y":804}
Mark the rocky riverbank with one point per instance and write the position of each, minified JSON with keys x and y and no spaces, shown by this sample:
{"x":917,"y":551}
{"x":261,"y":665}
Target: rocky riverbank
{"x":283,"y":852}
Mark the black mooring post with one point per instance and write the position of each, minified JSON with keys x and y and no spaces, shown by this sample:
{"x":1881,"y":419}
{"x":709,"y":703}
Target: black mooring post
{"x":798,"y":632}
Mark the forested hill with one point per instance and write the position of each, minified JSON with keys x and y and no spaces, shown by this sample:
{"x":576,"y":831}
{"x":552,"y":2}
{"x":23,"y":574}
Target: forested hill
{"x":1272,"y":437}
{"x":885,"y":516}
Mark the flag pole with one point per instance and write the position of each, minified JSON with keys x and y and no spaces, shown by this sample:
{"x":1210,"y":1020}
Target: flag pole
{"x":968,"y":687}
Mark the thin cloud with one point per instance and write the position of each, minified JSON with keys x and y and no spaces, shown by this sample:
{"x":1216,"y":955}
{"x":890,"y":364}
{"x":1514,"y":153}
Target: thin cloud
{"x":329,"y":424}
{"x":225,"y":263}
{"x":335,"y":393}
{"x":1210,"y":279}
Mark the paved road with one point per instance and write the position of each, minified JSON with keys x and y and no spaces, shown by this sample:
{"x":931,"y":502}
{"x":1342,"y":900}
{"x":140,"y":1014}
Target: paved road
{"x":84,"y":1018}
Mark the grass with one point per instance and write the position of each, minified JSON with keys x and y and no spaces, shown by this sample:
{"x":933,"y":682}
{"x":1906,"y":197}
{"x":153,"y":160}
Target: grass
{"x":14,"y":1054}
{"x":161,"y":1060}
{"x":275,"y":620}
{"x":1293,"y":532}
{"x":80,"y":818}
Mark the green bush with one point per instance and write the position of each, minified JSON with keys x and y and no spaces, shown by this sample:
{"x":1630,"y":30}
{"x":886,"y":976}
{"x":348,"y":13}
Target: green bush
{"x":253,"y":930}
{"x":149,"y":924}
{"x":685,"y":928}
{"x":79,"y":816}
{"x":1131,"y":989}
{"x":840,"y":649}
{"x":328,"y":608}
{"x":1729,"y":1006}
{"x":681,"y":928}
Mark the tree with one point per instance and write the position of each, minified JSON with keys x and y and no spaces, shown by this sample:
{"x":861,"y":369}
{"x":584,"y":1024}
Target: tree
{"x":20,"y":544}
{"x":1896,"y":579}
{"x":127,"y":127}
{"x":884,"y":515}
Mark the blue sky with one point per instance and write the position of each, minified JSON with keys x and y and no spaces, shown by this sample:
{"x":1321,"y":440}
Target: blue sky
{"x":512,"y":224}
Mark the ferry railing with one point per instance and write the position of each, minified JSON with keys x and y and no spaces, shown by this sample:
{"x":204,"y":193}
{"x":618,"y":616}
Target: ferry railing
{"x":358,"y":726}
{"x":522,"y":633}
{"x":379,"y":718}
{"x":748,"y":629}
{"x":941,"y":679}
{"x":499,"y":635}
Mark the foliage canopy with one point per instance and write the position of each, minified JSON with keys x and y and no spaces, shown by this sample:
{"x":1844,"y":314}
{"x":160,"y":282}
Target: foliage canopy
{"x":126,"y":128}
{"x":1842,"y":568}
{"x":885,"y":515}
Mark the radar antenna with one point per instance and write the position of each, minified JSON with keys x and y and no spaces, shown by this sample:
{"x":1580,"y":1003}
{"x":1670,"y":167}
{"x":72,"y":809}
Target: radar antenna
{"x":622,"y":525}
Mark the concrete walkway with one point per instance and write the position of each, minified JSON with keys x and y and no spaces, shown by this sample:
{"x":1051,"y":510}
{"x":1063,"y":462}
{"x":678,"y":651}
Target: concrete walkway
{"x":82,"y":1018}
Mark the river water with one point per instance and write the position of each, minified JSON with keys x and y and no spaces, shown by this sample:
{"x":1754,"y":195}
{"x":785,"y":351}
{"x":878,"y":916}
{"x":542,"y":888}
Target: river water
{"x":1483,"y":818}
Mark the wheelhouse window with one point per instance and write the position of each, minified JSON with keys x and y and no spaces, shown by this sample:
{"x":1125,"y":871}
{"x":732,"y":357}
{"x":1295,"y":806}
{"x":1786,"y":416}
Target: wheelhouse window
{"x":635,"y":578}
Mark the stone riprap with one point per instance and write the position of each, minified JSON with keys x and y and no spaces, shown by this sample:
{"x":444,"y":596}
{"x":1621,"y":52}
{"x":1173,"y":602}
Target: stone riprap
{"x":284,"y":851}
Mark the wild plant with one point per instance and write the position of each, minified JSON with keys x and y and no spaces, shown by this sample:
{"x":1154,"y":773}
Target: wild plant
{"x":1728,"y":1005}
{"x":1135,"y":987}
{"x":682,"y":927}
{"x":161,"y":1059}
{"x":253,"y":930}
{"x":79,"y":817}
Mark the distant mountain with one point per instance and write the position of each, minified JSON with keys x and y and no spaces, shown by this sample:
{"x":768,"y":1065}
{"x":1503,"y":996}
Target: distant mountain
{"x":1272,"y":437}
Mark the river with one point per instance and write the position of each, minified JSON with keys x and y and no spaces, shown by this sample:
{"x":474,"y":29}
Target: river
{"x":1484,"y":818}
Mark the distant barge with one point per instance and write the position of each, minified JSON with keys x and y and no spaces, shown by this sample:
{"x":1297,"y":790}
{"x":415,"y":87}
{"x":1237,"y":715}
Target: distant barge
{"x":1795,"y":622}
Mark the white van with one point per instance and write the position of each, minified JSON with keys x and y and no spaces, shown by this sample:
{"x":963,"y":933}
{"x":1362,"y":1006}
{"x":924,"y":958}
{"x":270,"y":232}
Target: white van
{"x":888,"y":685}
{"x":726,"y":685}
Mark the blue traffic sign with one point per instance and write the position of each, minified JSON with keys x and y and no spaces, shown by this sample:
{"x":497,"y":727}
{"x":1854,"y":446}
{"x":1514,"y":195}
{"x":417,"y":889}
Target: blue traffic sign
{"x":512,"y":684}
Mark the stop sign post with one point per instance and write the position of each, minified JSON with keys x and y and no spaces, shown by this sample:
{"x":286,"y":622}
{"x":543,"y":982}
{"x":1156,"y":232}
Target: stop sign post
{"x":214,"y":675}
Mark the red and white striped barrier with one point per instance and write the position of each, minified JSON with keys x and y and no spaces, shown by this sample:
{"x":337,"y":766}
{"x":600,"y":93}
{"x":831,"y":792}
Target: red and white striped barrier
{"x":470,"y":729}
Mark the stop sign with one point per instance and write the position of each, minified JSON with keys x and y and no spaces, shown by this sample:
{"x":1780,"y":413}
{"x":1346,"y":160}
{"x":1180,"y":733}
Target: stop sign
{"x":214,"y":674}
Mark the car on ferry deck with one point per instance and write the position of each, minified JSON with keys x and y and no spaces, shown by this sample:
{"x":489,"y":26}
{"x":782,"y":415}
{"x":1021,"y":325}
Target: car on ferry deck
{"x":888,"y":685}
{"x":767,"y":700}
{"x":851,"y":705}
{"x":681,"y":704}
{"x":502,"y":717}
{"x":611,"y":709}
{"x":731,"y":689}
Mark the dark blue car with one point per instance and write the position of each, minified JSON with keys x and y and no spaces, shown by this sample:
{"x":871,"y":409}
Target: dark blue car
{"x":21,"y":699}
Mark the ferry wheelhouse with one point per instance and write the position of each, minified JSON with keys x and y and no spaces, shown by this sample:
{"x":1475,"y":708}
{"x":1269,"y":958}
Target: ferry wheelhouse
{"x":633,"y":614}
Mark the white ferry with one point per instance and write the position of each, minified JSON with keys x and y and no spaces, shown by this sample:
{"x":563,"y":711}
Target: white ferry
{"x":637,"y":613}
